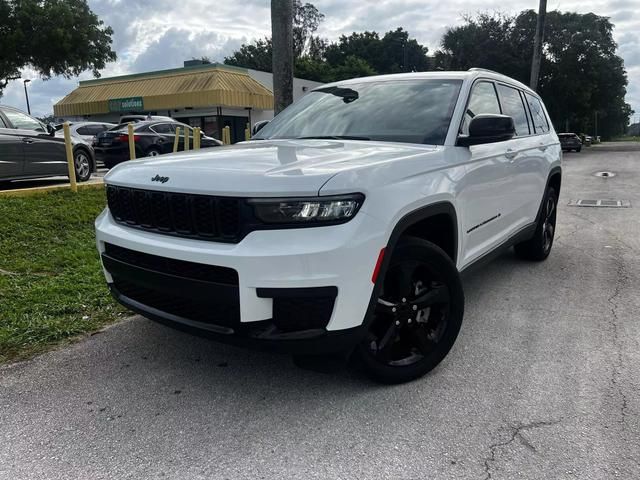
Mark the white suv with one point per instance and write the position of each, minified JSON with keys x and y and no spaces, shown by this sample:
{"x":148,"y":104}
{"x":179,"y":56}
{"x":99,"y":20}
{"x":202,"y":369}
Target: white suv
{"x":343,"y":226}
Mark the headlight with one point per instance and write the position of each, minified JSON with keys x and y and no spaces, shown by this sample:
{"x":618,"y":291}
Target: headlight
{"x":316,"y":210}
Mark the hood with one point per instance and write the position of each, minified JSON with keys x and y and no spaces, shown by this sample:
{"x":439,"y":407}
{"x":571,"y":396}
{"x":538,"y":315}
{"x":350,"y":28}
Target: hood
{"x":259,"y":168}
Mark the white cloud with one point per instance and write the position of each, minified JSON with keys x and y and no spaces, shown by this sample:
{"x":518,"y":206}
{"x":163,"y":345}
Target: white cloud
{"x":157,"y":34}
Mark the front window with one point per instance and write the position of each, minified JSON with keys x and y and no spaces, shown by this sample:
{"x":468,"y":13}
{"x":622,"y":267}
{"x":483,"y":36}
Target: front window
{"x":411,"y":111}
{"x":22,"y":121}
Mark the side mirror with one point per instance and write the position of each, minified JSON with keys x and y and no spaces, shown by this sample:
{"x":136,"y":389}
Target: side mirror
{"x":258,"y":126}
{"x":488,"y":128}
{"x":51,"y":129}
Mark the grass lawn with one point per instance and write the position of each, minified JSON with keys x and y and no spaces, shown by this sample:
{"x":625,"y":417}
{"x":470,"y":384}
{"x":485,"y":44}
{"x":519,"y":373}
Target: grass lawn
{"x":51,"y":284}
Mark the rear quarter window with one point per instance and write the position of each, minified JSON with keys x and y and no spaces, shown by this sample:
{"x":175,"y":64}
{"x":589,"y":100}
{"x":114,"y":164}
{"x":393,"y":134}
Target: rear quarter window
{"x":540,"y":122}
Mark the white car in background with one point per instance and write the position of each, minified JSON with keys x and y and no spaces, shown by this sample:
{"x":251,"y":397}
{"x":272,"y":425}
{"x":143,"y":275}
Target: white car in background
{"x":86,"y":130}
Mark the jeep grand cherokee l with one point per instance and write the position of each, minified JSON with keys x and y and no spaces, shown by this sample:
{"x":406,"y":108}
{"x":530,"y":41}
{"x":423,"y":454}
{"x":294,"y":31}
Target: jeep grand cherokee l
{"x":343,"y":226}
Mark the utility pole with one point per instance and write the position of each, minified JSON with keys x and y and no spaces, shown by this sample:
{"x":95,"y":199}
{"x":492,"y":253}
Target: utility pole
{"x":537,"y":45}
{"x":26,"y":95}
{"x":282,"y":42}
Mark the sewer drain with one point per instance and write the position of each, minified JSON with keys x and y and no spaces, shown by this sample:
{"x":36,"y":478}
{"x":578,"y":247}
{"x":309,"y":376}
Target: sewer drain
{"x":605,"y":174}
{"x":600,"y":203}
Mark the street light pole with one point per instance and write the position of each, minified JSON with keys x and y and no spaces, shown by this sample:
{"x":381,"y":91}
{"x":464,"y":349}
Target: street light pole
{"x":26,"y":95}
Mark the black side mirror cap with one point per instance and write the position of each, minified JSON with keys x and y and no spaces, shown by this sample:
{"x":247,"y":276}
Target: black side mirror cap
{"x":51,"y":130}
{"x":488,"y":128}
{"x":258,"y":126}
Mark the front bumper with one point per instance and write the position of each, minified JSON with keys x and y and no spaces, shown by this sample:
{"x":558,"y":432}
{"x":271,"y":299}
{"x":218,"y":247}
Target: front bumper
{"x":336,"y":261}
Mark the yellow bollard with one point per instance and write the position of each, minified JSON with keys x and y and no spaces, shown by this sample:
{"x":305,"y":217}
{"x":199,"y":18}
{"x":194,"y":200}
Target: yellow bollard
{"x":132,"y":142}
{"x":196,"y":138}
{"x":227,"y":135}
{"x":186,"y":139}
{"x":247,"y":133}
{"x":70,"y":165}
{"x":176,"y":140}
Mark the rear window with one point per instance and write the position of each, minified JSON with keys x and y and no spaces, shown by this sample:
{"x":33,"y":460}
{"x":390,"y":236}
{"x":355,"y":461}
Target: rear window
{"x":540,"y":122}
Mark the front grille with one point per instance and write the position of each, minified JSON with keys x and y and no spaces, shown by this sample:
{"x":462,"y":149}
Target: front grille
{"x":187,"y":215}
{"x":171,"y":266}
{"x":215,"y":311}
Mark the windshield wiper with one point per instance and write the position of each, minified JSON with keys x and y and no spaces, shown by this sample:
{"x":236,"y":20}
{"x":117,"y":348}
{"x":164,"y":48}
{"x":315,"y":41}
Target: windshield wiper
{"x":333,"y":137}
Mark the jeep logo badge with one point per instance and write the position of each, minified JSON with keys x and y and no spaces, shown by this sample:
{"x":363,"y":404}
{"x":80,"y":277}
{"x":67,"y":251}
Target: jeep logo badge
{"x":160,"y":179}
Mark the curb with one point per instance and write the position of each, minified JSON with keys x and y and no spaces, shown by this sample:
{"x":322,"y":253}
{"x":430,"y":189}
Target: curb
{"x":25,"y":192}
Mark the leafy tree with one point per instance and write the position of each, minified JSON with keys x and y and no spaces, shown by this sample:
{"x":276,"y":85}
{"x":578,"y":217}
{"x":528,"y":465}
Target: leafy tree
{"x":581,"y":76}
{"x":54,"y":37}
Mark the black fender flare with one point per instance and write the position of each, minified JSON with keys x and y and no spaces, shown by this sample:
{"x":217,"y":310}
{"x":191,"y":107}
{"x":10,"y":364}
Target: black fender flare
{"x":557,"y":170}
{"x":401,"y":226}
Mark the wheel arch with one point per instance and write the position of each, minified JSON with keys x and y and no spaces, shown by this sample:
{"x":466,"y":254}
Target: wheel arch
{"x":553,"y":180}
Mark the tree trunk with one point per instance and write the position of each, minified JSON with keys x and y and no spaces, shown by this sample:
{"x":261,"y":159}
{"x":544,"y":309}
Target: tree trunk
{"x":537,"y":45}
{"x":282,"y":38}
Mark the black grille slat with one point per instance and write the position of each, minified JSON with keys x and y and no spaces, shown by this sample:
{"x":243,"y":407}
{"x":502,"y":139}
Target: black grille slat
{"x":187,"y":215}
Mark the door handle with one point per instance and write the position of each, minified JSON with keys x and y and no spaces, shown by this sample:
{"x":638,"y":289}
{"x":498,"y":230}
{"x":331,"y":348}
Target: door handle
{"x":542,"y":146}
{"x":27,"y":140}
{"x":510,"y":154}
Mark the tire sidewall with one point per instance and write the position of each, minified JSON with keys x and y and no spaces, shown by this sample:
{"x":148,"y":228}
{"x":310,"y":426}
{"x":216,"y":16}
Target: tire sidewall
{"x":81,"y":151}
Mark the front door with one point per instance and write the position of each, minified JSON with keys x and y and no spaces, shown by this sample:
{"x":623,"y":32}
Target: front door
{"x":484,"y":211}
{"x":11,"y":152}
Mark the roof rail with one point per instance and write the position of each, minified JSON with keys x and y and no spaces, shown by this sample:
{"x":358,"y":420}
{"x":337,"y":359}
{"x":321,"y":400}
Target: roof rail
{"x":476,"y":69}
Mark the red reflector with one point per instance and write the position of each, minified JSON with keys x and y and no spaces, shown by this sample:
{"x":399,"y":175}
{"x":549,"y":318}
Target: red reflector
{"x":376,"y":270}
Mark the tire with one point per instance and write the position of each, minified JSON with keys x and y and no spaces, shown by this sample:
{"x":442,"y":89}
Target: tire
{"x":404,"y":341}
{"x":153,"y":152}
{"x":578,"y":149}
{"x":539,"y":246}
{"x":82,"y":165}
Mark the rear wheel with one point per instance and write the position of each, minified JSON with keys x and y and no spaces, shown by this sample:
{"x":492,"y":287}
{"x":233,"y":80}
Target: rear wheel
{"x":418,"y":314}
{"x":82,"y":165}
{"x":153,"y":152}
{"x":539,"y":247}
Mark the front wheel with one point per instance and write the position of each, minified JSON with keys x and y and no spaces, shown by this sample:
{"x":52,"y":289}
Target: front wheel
{"x":539,"y":247}
{"x":417,"y":316}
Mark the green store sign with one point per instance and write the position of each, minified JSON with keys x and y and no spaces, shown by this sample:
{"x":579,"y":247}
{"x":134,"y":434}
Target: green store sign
{"x":126,"y":104}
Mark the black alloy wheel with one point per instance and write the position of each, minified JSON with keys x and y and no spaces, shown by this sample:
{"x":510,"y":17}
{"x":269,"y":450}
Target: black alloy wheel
{"x":538,"y":248}
{"x":417,"y":316}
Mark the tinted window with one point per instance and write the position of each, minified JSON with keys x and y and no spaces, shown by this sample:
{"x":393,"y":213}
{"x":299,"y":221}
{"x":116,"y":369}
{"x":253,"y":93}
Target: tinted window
{"x":2,"y":124}
{"x":23,"y":121}
{"x":512,"y":105}
{"x":483,"y":100}
{"x":86,"y":130}
{"x":412,"y":111}
{"x":163,"y":128}
{"x":537,"y":112}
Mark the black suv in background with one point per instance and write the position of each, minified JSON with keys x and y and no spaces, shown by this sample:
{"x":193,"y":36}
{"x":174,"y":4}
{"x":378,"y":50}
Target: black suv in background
{"x":151,"y":138}
{"x":30,"y":149}
{"x":570,"y":141}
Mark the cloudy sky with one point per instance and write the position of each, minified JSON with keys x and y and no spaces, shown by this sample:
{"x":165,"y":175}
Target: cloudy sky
{"x":158,"y":34}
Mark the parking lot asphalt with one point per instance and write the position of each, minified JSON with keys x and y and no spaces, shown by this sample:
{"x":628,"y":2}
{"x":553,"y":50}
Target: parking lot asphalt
{"x":543,"y":382}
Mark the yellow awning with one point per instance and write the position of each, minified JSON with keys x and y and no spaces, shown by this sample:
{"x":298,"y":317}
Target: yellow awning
{"x":202,"y":86}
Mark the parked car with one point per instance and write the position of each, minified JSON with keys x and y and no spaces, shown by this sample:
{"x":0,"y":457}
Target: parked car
{"x":29,"y":149}
{"x":142,"y":118}
{"x":152,"y":138}
{"x":86,"y":130}
{"x":344,"y":227}
{"x":570,"y":141}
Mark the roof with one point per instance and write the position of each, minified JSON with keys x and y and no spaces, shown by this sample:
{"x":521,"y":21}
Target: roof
{"x":471,"y":74}
{"x":200,"y":86}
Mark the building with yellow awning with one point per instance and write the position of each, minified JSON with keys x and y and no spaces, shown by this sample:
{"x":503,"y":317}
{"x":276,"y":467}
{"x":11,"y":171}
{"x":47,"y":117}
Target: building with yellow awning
{"x":209,"y":96}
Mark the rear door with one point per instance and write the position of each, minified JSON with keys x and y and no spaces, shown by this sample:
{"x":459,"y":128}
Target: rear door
{"x":11,"y":151}
{"x":166,"y":133}
{"x":43,"y":154}
{"x":525,"y":162}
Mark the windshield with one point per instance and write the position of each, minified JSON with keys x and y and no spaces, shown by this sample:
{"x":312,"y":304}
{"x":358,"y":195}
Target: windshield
{"x":411,"y":111}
